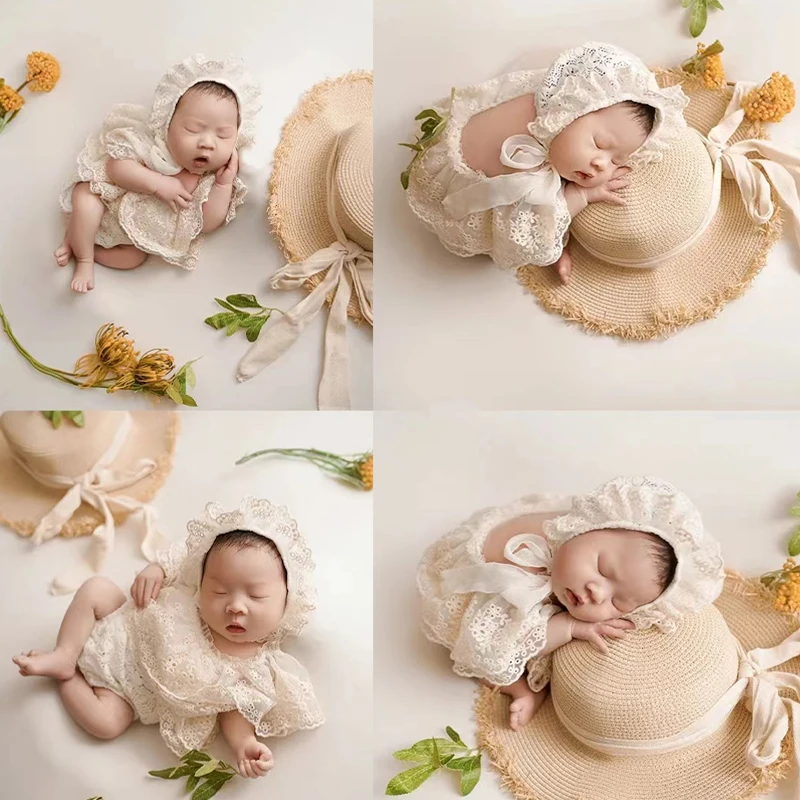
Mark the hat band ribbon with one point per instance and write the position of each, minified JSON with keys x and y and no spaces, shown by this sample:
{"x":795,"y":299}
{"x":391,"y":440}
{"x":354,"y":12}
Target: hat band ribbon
{"x":520,"y":588}
{"x":770,"y":712}
{"x":779,"y":170}
{"x":92,"y":488}
{"x":348,"y":268}
{"x":537,"y":182}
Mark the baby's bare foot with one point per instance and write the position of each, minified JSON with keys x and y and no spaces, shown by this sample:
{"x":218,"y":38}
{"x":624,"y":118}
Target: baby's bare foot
{"x":83,"y":278}
{"x":523,"y":708}
{"x":46,"y":663}
{"x":564,"y":266}
{"x":64,"y":253}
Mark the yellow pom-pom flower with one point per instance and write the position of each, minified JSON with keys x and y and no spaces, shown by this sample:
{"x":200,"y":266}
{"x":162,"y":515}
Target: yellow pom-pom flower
{"x":10,"y":100}
{"x":710,"y":68}
{"x":43,"y":71}
{"x":770,"y":102}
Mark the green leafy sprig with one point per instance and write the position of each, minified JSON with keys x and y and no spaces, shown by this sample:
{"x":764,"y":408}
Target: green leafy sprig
{"x":432,"y":755}
{"x":794,"y":541}
{"x":184,"y":380}
{"x":432,"y":126}
{"x":235,"y":318}
{"x":205,"y":775}
{"x":698,"y":13}
{"x":694,"y":64}
{"x":57,"y":417}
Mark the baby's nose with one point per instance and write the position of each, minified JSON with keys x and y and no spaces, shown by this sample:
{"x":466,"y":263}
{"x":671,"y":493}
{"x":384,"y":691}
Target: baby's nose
{"x":595,"y":593}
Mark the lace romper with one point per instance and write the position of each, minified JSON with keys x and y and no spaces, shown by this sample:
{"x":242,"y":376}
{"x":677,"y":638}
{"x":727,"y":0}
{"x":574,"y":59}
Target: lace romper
{"x":496,"y":630}
{"x":163,"y":661}
{"x":532,"y":230}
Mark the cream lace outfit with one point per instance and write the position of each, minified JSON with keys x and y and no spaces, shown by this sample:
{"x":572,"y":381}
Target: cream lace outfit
{"x":136,"y":133}
{"x":162,"y":658}
{"x":522,"y":218}
{"x":493,"y":617}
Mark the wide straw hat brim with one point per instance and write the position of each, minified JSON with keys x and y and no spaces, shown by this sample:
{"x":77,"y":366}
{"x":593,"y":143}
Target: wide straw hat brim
{"x":297,"y":209}
{"x":544,"y":762}
{"x":24,"y":501}
{"x":643,"y":304}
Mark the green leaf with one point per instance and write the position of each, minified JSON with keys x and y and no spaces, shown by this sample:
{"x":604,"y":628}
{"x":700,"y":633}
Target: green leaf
{"x":698,"y":17}
{"x":195,"y":755}
{"x":76,"y":417}
{"x":414,"y":146}
{"x":207,"y":768}
{"x":686,"y":3}
{"x":191,"y":782}
{"x":454,"y":736}
{"x":220,"y":320}
{"x":225,"y":305}
{"x":437,"y":759}
{"x":243,"y":300}
{"x":405,"y":782}
{"x":714,"y":49}
{"x":173,"y":773}
{"x":254,"y":326}
{"x":211,"y":786}
{"x":191,"y":378}
{"x":423,"y":750}
{"x":716,"y":4}
{"x":233,"y":326}
{"x":428,"y":112}
{"x":173,"y":395}
{"x":404,"y":176}
{"x":471,"y":776}
{"x":794,"y":511}
{"x":56,"y":419}
{"x":794,"y":543}
{"x":188,"y":401}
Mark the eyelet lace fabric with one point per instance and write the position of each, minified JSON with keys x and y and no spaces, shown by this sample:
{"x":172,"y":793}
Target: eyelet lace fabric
{"x":512,"y":235}
{"x":655,"y":506}
{"x":487,"y":636}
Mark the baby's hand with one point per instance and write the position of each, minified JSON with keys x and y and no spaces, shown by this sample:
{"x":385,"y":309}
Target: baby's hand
{"x":172,"y":192}
{"x":147,"y":585}
{"x":607,"y":192}
{"x":593,"y":632}
{"x":226,"y":174}
{"x":254,"y":759}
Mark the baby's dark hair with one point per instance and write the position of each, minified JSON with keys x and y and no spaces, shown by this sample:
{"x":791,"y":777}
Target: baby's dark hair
{"x":218,"y":90}
{"x":239,"y":540}
{"x":645,"y":115}
{"x":664,"y":559}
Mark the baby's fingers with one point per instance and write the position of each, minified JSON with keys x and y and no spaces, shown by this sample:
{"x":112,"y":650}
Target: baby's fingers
{"x":182,"y":202}
{"x":618,"y":183}
{"x":614,"y":199}
{"x":597,"y":641}
{"x":621,"y":623}
{"x":173,"y":206}
{"x":186,"y":195}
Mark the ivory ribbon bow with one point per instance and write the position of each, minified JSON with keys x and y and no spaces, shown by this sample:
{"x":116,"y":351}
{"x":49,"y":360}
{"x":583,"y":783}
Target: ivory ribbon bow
{"x":770,"y":712}
{"x":349,"y":269}
{"x":780,"y":165}
{"x":93,"y":487}
{"x":537,"y":184}
{"x":521,"y":588}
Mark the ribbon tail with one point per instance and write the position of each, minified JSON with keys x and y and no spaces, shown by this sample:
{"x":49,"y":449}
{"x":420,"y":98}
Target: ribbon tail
{"x":502,"y":190}
{"x":334,"y":385}
{"x":51,"y":524}
{"x":785,"y":182}
{"x":770,"y":724}
{"x":152,"y":539}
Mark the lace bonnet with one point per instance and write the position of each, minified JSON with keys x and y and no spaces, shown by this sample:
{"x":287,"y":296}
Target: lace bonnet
{"x":272,"y":522}
{"x":594,"y":76}
{"x":653,"y":506}
{"x":230,"y":72}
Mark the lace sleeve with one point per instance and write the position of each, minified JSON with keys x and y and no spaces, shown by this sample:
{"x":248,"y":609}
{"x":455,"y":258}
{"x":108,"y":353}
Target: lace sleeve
{"x":539,"y":672}
{"x":170,"y":560}
{"x":237,"y":198}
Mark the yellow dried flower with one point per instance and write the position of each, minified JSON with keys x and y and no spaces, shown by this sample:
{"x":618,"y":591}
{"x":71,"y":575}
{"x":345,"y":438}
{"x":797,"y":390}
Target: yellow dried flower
{"x":365,"y":470}
{"x":122,"y":383}
{"x":43,"y":71}
{"x":153,"y":368}
{"x":10,"y":100}
{"x":355,"y":470}
{"x":770,"y":102}
{"x":710,"y":68}
{"x":115,"y":353}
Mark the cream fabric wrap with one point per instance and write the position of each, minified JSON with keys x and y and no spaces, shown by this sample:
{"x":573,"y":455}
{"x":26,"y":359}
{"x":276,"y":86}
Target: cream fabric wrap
{"x":349,"y":269}
{"x":93,"y":487}
{"x":522,"y":589}
{"x":770,"y":712}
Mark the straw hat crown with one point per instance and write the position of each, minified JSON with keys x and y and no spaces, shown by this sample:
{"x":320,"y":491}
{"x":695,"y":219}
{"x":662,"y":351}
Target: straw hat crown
{"x":352,"y":185}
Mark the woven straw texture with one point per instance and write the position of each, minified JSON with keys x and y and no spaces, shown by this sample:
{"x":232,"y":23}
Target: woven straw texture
{"x":544,"y":762}
{"x":23,"y":501}
{"x":666,"y":202}
{"x":297,"y":208}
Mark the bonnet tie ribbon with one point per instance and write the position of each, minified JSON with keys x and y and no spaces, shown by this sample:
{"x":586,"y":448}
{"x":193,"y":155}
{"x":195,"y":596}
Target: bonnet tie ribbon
{"x":780,"y":165}
{"x":93,"y":488}
{"x":537,"y":182}
{"x":520,"y":588}
{"x":349,"y":269}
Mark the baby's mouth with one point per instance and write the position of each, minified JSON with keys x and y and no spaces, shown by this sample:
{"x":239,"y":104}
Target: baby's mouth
{"x":201,"y":161}
{"x":234,"y":628}
{"x":573,"y":598}
{"x":584,"y":176}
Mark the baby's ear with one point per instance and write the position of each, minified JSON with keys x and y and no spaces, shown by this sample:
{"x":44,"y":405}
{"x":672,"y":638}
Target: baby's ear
{"x":620,"y":171}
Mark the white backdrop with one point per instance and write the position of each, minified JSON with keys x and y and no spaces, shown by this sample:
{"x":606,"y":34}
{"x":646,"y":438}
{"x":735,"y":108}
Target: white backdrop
{"x":43,"y":754}
{"x":116,"y":53}
{"x":458,"y":332}
{"x":742,"y":471}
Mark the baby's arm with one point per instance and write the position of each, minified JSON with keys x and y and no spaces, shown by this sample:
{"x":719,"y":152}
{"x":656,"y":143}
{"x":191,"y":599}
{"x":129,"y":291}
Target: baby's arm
{"x":136,"y":177}
{"x":253,"y":758}
{"x":215,"y":209}
{"x":563,"y":628}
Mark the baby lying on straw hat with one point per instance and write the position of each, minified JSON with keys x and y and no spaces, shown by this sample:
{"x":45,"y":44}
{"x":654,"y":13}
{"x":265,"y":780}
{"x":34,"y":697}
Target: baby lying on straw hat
{"x":154,"y":181}
{"x":522,"y":154}
{"x":197,"y":648}
{"x":512,"y":584}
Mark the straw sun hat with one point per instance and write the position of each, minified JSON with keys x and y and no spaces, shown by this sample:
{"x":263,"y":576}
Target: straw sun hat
{"x":73,"y":481}
{"x":688,"y":239}
{"x":700,"y":713}
{"x":320,"y":210}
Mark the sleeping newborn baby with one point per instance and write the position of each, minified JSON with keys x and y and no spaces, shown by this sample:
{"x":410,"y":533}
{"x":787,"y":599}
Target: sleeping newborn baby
{"x":197,"y":648}
{"x":521,"y":155}
{"x":155,"y":181}
{"x":513,"y":584}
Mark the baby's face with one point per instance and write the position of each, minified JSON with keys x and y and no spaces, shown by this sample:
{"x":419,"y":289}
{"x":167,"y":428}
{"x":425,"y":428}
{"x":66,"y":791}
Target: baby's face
{"x":243,"y":593}
{"x":202,"y":132}
{"x":590,"y":149}
{"x":601,"y":575}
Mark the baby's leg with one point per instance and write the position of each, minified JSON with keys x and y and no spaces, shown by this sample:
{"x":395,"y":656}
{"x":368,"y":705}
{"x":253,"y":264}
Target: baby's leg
{"x":98,"y":711}
{"x":123,"y":256}
{"x":95,"y":599}
{"x":524,"y":701}
{"x":564,"y":266}
{"x":87,"y":213}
